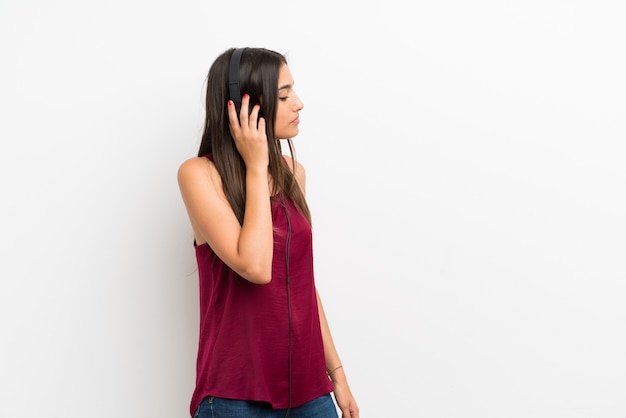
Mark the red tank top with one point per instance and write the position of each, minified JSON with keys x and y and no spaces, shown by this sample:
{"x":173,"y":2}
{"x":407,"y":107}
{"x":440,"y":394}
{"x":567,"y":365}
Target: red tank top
{"x":262,"y":342}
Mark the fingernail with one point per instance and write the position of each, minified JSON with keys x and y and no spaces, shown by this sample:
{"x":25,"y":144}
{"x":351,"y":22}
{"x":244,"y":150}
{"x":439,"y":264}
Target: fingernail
{"x":230,"y":103}
{"x":245,"y":96}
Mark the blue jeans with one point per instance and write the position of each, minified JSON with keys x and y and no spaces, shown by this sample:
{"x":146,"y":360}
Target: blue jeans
{"x":213,"y":407}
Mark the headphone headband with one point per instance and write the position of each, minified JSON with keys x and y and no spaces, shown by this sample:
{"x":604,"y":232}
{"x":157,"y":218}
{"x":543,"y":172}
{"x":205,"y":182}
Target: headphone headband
{"x":233,"y":78}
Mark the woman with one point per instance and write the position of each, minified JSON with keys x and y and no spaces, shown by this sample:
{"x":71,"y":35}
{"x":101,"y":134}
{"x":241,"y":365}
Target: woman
{"x":265,"y":349}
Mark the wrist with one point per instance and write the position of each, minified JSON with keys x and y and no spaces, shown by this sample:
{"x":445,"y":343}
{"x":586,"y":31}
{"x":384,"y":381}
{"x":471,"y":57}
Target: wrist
{"x":256,"y":170}
{"x":336,"y":374}
{"x":257,"y":178}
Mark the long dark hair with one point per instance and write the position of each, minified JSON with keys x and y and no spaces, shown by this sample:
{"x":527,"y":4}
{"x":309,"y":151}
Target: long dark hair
{"x":258,"y":74}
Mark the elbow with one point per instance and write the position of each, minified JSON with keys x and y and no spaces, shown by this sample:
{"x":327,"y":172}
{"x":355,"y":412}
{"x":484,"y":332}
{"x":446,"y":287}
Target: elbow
{"x":258,"y":274}
{"x":255,"y":267}
{"x":262,"y":280}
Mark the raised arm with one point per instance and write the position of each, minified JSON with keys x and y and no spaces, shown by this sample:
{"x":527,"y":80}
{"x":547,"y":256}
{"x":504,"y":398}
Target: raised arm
{"x":247,"y":248}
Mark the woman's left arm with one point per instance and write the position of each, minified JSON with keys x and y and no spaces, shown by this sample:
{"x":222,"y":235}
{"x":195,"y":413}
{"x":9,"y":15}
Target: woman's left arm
{"x":343,"y":395}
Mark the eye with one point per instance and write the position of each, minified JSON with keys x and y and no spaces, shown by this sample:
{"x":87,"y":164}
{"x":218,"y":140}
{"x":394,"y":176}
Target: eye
{"x":282,"y":99}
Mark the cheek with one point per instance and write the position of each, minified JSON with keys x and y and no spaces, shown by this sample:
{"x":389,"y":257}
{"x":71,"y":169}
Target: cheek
{"x":282,"y":121}
{"x":281,"y":116}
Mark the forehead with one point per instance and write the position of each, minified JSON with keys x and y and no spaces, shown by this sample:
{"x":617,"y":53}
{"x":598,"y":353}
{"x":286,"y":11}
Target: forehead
{"x":284,"y":76}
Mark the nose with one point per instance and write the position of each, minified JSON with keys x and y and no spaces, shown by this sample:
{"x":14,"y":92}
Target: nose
{"x":299,"y":104}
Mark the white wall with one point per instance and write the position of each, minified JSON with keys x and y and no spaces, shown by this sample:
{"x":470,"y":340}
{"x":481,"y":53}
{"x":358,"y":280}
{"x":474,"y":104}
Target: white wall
{"x":465,"y":169}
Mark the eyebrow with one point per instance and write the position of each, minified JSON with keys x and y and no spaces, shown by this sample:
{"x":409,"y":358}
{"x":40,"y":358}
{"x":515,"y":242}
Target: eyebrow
{"x":286,"y":86}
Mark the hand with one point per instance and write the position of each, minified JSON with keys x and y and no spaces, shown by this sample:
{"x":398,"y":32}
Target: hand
{"x":345,"y":400}
{"x":249,"y":134}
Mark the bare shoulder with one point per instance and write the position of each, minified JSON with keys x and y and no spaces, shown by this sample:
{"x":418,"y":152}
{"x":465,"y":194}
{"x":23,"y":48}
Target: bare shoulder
{"x":195,"y":163}
{"x":197,"y":170}
{"x":300,"y":172}
{"x":299,"y":167}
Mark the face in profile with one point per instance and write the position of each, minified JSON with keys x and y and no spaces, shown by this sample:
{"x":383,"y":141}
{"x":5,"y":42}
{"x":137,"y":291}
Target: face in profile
{"x":289,"y":106}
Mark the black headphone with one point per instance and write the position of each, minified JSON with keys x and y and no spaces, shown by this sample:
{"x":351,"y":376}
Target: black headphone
{"x":233,"y":79}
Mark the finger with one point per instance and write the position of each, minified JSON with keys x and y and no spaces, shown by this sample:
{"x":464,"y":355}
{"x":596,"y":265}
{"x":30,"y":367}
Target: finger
{"x":244,"y":112}
{"x":354,"y":410}
{"x":254,"y":116}
{"x":256,"y":110}
{"x":261,"y":125}
{"x":232,"y":115}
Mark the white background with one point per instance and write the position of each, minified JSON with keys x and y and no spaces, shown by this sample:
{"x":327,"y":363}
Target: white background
{"x":465,"y":165}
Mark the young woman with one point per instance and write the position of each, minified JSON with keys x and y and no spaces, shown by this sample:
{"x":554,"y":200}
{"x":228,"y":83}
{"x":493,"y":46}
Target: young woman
{"x":265,"y":348}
